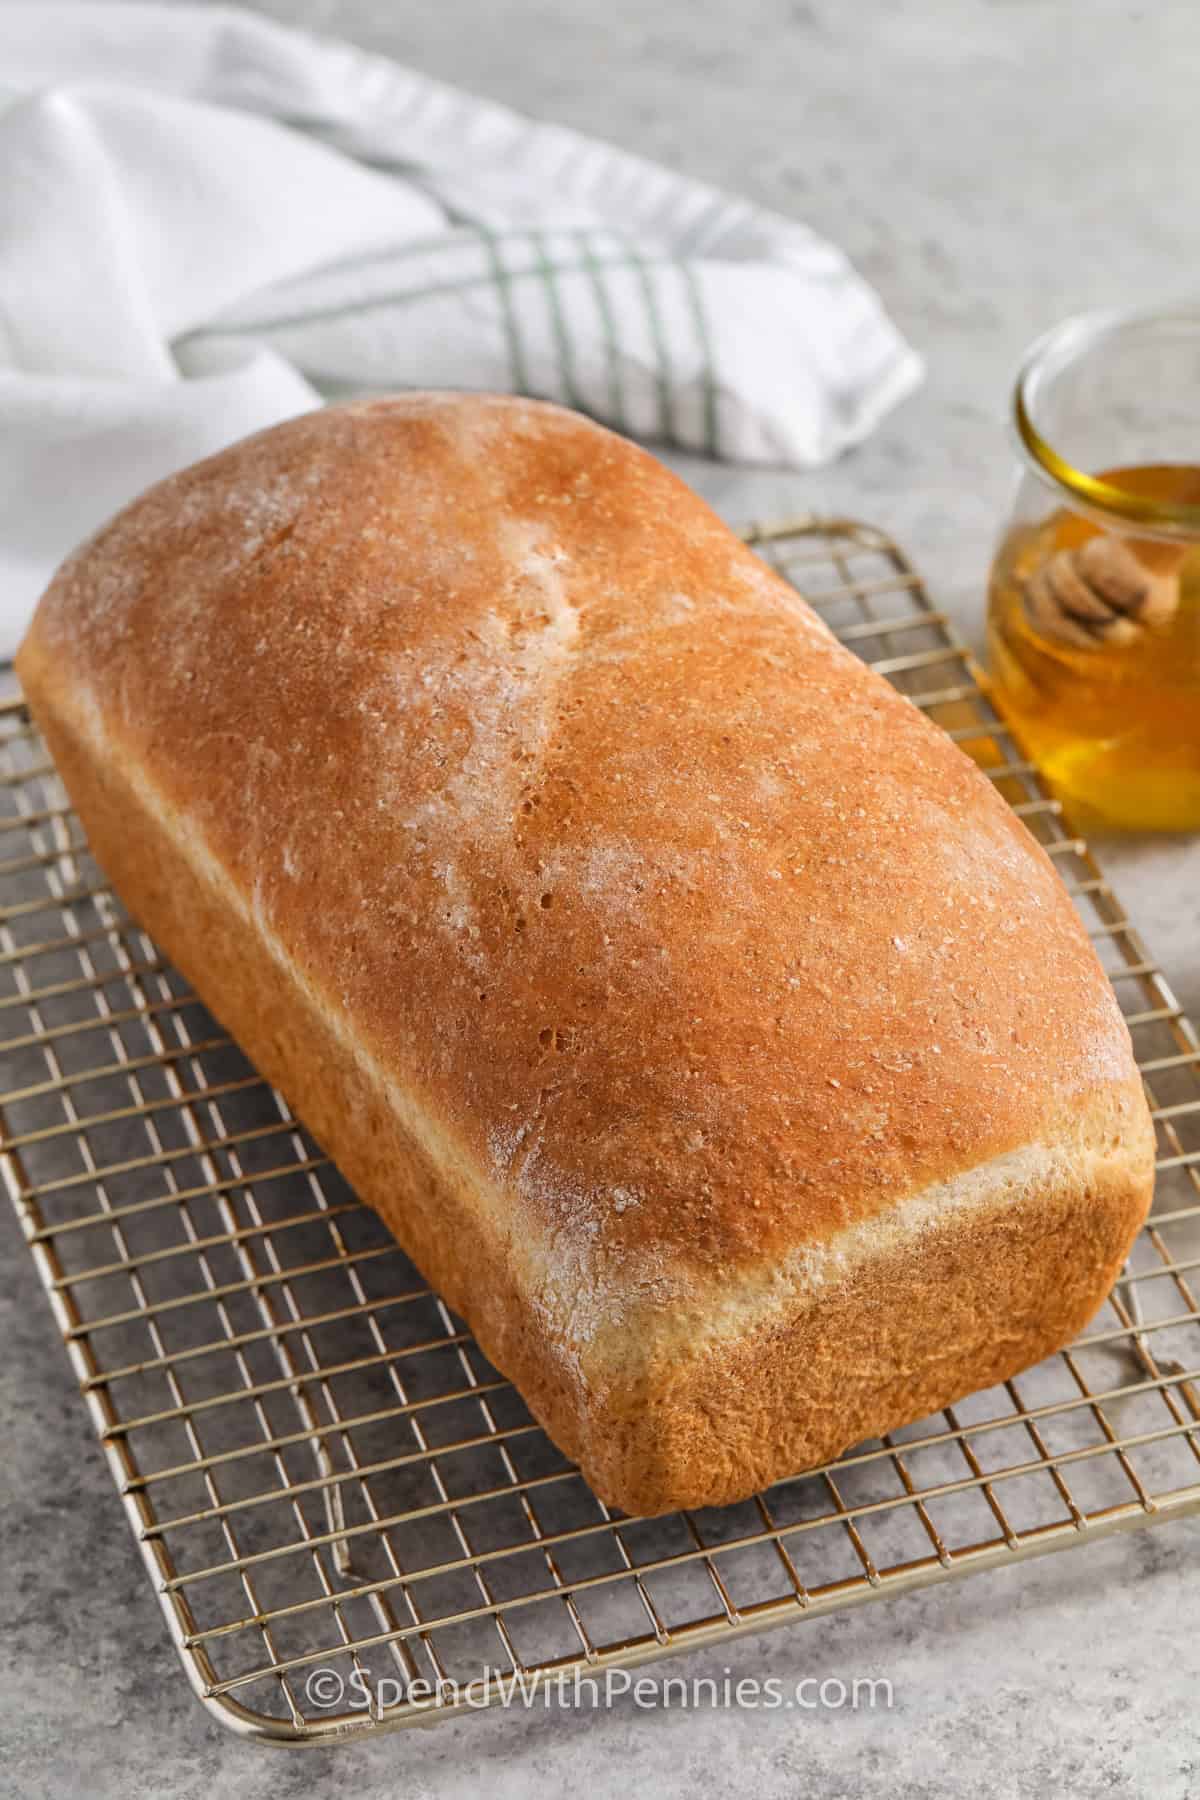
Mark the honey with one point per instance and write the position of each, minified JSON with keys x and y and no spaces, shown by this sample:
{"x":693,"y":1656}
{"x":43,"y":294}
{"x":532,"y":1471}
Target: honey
{"x":1112,"y":718}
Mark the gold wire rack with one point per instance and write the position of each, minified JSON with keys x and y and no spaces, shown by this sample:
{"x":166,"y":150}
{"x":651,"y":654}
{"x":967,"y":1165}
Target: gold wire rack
{"x":323,"y":1473}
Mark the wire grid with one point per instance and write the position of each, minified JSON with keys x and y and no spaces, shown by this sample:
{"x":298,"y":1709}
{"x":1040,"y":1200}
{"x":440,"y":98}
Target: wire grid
{"x":320,"y":1467}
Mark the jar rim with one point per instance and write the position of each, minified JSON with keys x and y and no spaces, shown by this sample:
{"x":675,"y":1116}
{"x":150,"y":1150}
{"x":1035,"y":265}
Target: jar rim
{"x":1104,"y":500}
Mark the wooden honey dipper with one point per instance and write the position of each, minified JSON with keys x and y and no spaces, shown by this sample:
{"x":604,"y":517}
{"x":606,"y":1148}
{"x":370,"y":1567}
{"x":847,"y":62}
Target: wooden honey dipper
{"x":1103,"y":593}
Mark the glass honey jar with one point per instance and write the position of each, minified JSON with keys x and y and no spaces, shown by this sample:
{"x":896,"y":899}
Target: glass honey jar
{"x":1094,"y":600}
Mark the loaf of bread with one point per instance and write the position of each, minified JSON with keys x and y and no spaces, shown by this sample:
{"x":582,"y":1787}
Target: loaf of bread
{"x":704,"y":1025}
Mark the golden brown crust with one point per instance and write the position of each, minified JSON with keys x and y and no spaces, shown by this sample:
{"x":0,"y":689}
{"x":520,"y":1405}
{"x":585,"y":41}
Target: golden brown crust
{"x":905,"y":1330}
{"x":659,"y":947}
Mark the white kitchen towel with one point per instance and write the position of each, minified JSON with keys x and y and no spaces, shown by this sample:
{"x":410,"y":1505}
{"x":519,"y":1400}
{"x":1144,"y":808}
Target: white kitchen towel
{"x":210,"y":222}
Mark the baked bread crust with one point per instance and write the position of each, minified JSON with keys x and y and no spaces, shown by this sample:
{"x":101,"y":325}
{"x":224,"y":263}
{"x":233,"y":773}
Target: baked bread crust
{"x":702,"y":1022}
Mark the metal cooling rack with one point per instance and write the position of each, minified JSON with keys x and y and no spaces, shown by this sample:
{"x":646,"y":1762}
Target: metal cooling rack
{"x":319,"y":1466}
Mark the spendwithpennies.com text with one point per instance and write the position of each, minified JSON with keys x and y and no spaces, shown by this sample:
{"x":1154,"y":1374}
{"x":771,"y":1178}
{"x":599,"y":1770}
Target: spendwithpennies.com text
{"x":329,"y":1690}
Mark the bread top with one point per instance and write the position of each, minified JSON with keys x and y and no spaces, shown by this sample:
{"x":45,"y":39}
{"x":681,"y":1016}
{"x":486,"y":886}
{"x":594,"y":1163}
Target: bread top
{"x":688,"y":937}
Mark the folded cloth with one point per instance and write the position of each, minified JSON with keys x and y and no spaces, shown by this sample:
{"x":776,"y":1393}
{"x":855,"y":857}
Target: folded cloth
{"x":210,"y":222}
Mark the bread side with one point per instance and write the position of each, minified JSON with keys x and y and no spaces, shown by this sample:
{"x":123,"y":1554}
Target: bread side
{"x":614,"y":930}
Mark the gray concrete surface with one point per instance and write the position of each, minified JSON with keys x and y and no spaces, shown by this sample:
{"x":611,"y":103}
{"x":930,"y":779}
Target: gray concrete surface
{"x":991,"y":165}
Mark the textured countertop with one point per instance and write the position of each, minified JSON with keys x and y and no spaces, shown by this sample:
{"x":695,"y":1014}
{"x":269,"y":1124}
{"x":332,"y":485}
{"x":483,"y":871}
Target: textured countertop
{"x":991,"y":166}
